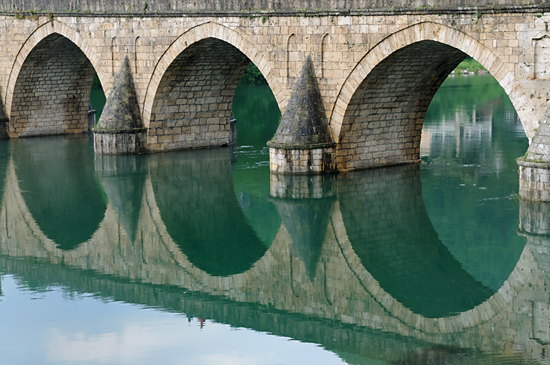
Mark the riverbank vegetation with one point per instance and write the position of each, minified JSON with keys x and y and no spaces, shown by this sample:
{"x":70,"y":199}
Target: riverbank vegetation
{"x":253,"y":76}
{"x":469,"y":65}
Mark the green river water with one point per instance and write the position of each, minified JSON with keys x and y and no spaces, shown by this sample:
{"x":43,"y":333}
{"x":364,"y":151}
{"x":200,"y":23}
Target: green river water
{"x":191,"y":258}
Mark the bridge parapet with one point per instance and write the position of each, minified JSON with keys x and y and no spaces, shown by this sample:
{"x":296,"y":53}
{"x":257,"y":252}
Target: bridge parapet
{"x":166,"y":6}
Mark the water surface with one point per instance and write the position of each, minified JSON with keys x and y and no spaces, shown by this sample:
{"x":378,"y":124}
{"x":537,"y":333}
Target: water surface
{"x":202,"y":257}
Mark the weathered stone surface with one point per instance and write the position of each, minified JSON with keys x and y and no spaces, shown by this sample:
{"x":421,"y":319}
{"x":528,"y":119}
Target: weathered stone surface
{"x":121,"y":111}
{"x":534,"y":167}
{"x":114,"y":143}
{"x":302,"y":161}
{"x":120,"y":129}
{"x":304,"y":123}
{"x":150,"y":6}
{"x":303,"y":143}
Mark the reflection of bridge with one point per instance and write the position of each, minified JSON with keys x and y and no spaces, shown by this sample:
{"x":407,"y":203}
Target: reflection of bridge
{"x":144,"y":258}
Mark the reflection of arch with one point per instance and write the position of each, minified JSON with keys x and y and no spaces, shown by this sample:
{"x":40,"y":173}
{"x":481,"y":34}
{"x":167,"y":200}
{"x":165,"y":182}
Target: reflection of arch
{"x":196,"y":34}
{"x":444,"y":40}
{"x":407,"y":205}
{"x":482,"y":313}
{"x":43,"y":31}
{"x":59,"y":182}
{"x":390,"y":231}
{"x":200,"y":211}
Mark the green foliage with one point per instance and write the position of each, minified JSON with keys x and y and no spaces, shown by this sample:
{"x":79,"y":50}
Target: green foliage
{"x":253,"y":76}
{"x":469,"y":64}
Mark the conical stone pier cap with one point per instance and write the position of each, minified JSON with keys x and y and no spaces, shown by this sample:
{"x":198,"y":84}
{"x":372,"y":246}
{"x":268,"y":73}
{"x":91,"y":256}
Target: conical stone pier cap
{"x":304,"y":123}
{"x":121,"y":111}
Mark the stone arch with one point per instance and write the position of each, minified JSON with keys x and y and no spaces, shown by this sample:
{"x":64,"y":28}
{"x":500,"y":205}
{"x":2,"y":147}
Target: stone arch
{"x":43,"y":31}
{"x":50,"y":84}
{"x":403,"y":94}
{"x":203,"y":32}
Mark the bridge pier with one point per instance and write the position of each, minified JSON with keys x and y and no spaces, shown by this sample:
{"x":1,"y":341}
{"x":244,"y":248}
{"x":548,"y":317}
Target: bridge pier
{"x":303,"y":143}
{"x":120,"y":129}
{"x":534,"y":167}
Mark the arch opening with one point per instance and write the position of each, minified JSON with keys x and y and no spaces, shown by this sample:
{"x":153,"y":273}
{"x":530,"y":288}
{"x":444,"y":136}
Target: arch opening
{"x":193,"y":102}
{"x":383,"y":121}
{"x":52,"y":91}
{"x":56,"y":177}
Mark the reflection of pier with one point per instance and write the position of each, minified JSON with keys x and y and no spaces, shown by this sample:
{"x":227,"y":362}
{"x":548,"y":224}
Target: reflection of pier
{"x":139,"y":256}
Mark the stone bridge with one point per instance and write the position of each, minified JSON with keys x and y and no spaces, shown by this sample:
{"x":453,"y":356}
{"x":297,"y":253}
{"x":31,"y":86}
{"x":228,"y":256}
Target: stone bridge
{"x":377,"y":65}
{"x":337,"y":271}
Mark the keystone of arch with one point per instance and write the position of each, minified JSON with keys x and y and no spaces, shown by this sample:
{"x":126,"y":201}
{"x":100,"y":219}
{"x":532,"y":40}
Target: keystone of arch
{"x":40,"y":33}
{"x":198,"y":33}
{"x":424,"y":31}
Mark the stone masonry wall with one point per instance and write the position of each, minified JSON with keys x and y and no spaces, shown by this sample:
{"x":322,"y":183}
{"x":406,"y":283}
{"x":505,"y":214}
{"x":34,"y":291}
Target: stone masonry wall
{"x":138,"y":6}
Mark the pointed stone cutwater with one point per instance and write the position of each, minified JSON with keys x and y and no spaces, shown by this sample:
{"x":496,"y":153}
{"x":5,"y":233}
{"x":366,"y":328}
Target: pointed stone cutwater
{"x":303,"y":143}
{"x":534,"y":167}
{"x":120,"y":128}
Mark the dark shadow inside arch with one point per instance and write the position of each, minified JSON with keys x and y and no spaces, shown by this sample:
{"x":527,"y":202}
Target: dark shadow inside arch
{"x":383,"y":122}
{"x":389,"y":230}
{"x":52,"y":91}
{"x":58,"y":183}
{"x":195,"y":195}
{"x":192,"y":105}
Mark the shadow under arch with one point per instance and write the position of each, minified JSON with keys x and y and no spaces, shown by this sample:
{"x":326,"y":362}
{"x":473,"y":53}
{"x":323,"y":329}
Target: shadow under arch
{"x":41,"y":32}
{"x":197,"y":204}
{"x":388,"y":227}
{"x":51,"y":91}
{"x":226,"y":46}
{"x":380,"y":109}
{"x":58,"y":184}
